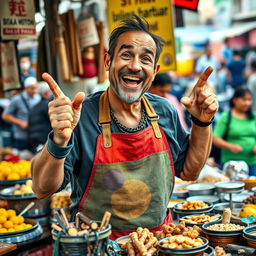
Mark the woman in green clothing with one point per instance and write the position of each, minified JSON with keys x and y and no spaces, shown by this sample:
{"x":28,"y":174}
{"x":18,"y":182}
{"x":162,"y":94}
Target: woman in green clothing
{"x":240,"y":128}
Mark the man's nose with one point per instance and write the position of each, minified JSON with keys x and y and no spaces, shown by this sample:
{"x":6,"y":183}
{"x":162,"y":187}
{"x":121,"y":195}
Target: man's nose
{"x":134,"y":64}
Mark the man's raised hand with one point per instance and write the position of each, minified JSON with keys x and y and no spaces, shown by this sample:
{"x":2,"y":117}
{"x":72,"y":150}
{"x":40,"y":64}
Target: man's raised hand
{"x":202,"y":103}
{"x":64,"y":114}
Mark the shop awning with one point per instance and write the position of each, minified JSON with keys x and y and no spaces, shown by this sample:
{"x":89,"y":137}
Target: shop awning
{"x":234,"y":30}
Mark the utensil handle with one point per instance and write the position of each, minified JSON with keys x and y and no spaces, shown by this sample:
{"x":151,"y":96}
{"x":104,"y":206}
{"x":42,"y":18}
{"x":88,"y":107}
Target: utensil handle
{"x":29,"y":206}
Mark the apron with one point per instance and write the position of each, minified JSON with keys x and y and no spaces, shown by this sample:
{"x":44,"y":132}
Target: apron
{"x":132,"y":176}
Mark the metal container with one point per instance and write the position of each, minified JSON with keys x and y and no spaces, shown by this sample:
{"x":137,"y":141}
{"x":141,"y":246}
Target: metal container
{"x":218,"y":208}
{"x":205,"y":198}
{"x":180,"y":190}
{"x":95,"y":243}
{"x":9,"y":183}
{"x":201,"y":189}
{"x":196,"y":251}
{"x":23,"y":236}
{"x":19,"y":202}
{"x":230,"y":186}
{"x":222,"y":238}
{"x":249,"y":233}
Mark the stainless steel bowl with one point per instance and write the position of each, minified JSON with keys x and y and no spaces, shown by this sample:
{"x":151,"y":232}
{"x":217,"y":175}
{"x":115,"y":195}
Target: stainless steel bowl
{"x":205,"y":198}
{"x":218,"y":208}
{"x":230,"y":186}
{"x":201,"y":189}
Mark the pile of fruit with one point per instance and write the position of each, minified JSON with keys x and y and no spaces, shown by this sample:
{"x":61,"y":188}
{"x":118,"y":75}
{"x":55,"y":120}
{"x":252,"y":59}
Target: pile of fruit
{"x":15,"y":171}
{"x":24,"y":188}
{"x":10,"y":222}
{"x":248,"y":210}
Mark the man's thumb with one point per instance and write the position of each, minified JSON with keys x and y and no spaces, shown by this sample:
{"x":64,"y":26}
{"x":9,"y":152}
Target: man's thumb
{"x":186,"y":101}
{"x":78,"y":100}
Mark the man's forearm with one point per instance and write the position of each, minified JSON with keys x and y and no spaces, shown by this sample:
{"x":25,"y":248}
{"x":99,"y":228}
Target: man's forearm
{"x":200,"y":142}
{"x":11,"y":119}
{"x":47,"y":173}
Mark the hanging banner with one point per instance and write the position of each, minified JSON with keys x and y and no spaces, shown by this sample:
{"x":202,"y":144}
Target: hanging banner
{"x":187,"y":4}
{"x":17,"y":19}
{"x":158,"y":14}
{"x":9,"y":68}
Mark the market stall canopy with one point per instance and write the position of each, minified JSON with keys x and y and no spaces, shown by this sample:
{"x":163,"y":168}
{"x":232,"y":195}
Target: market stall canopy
{"x":234,"y":30}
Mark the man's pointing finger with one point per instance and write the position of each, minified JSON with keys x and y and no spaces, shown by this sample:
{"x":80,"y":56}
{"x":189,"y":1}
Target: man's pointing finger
{"x":53,"y":85}
{"x":204,"y":77}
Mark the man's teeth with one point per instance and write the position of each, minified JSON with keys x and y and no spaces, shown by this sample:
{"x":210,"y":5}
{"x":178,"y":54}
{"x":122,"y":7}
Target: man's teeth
{"x":131,"y":78}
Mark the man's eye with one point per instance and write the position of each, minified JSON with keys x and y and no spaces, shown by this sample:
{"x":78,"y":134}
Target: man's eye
{"x":146,"y":59}
{"x":125,"y":55}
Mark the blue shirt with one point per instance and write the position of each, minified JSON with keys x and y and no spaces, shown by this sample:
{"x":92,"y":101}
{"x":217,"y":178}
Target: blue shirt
{"x":236,"y":68}
{"x":18,"y":109}
{"x":79,"y":162}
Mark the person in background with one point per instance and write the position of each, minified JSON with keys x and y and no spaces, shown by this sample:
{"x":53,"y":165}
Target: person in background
{"x":249,"y":58}
{"x":251,"y":83}
{"x":161,"y":86}
{"x":226,"y":52}
{"x":18,"y":111}
{"x":206,"y":60}
{"x":39,"y":123}
{"x":236,"y":68}
{"x":240,"y":130}
{"x":223,"y":79}
{"x":25,"y":69}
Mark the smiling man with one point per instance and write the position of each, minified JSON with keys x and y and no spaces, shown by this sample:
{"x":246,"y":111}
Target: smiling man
{"x":121,"y":148}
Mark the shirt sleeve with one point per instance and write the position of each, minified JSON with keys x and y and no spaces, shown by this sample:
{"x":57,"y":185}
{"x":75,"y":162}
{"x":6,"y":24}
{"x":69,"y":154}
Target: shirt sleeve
{"x":221,"y":125}
{"x":12,"y":108}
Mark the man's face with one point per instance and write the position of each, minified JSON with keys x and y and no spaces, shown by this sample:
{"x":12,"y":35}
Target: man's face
{"x":132,"y":71}
{"x":31,"y":90}
{"x":162,"y":91}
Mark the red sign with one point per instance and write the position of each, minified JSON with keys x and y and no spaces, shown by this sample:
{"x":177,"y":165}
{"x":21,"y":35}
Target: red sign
{"x":188,"y":4}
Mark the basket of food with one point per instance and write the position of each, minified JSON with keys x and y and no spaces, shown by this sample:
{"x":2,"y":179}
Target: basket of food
{"x":192,"y":207}
{"x":200,"y":219}
{"x":83,"y":237}
{"x":14,"y":173}
{"x":20,"y":196}
{"x":221,"y":233}
{"x":16,"y":229}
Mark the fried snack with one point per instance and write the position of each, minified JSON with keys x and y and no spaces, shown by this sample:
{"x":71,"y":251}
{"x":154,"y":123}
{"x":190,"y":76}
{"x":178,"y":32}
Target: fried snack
{"x":221,"y":252}
{"x":197,"y":219}
{"x":225,"y":227}
{"x":192,"y":205}
{"x":181,"y":242}
{"x":142,"y":243}
{"x":180,"y":229}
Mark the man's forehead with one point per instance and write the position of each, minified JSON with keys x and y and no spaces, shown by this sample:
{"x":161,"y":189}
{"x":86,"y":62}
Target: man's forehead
{"x":135,"y":39}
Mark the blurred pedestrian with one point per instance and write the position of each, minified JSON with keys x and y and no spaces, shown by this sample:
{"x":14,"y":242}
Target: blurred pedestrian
{"x":237,"y":69}
{"x":39,"y":122}
{"x":25,"y":69}
{"x":251,"y":83}
{"x":161,"y":86}
{"x":207,"y":59}
{"x":18,"y":111}
{"x":226,"y":52}
{"x":235,"y":130}
{"x":223,"y":78}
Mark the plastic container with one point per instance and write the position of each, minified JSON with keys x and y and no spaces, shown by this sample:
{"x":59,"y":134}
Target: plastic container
{"x":93,"y":244}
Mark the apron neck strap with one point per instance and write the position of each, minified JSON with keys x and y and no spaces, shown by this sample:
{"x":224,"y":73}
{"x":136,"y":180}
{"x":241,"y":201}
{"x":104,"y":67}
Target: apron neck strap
{"x":105,"y":119}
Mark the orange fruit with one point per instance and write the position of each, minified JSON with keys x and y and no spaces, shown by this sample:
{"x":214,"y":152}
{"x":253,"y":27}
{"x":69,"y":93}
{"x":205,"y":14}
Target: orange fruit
{"x":8,"y":224}
{"x":21,"y":219}
{"x":28,"y":226}
{"x":11,"y":230}
{"x":11,"y":213}
{"x":3,"y":212}
{"x":3,"y":230}
{"x":3,"y":219}
{"x":18,"y":228}
{"x":13,"y":176}
{"x":15,"y":220}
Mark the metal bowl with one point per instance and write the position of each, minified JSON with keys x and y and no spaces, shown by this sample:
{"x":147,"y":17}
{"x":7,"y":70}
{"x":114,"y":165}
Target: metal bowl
{"x":230,"y":186}
{"x":7,"y":193}
{"x":198,"y":224}
{"x":22,"y":236}
{"x":184,"y":251}
{"x":206,"y":198}
{"x":122,"y":240}
{"x":181,"y":194}
{"x":8,"y":183}
{"x":218,"y":208}
{"x":201,"y":189}
{"x":179,"y":210}
{"x":250,"y":232}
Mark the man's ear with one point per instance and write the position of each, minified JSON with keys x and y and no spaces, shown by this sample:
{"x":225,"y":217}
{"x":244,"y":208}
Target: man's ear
{"x":156,"y":70}
{"x":107,"y":61}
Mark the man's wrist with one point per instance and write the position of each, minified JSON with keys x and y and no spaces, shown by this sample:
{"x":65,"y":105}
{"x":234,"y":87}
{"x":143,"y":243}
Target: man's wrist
{"x":200,"y":123}
{"x":56,"y":150}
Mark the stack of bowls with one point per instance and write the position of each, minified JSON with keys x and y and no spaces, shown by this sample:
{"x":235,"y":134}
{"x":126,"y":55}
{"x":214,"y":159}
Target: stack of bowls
{"x":182,"y":212}
{"x":195,"y":251}
{"x":249,"y":233}
{"x":201,"y":189}
{"x":222,"y":238}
